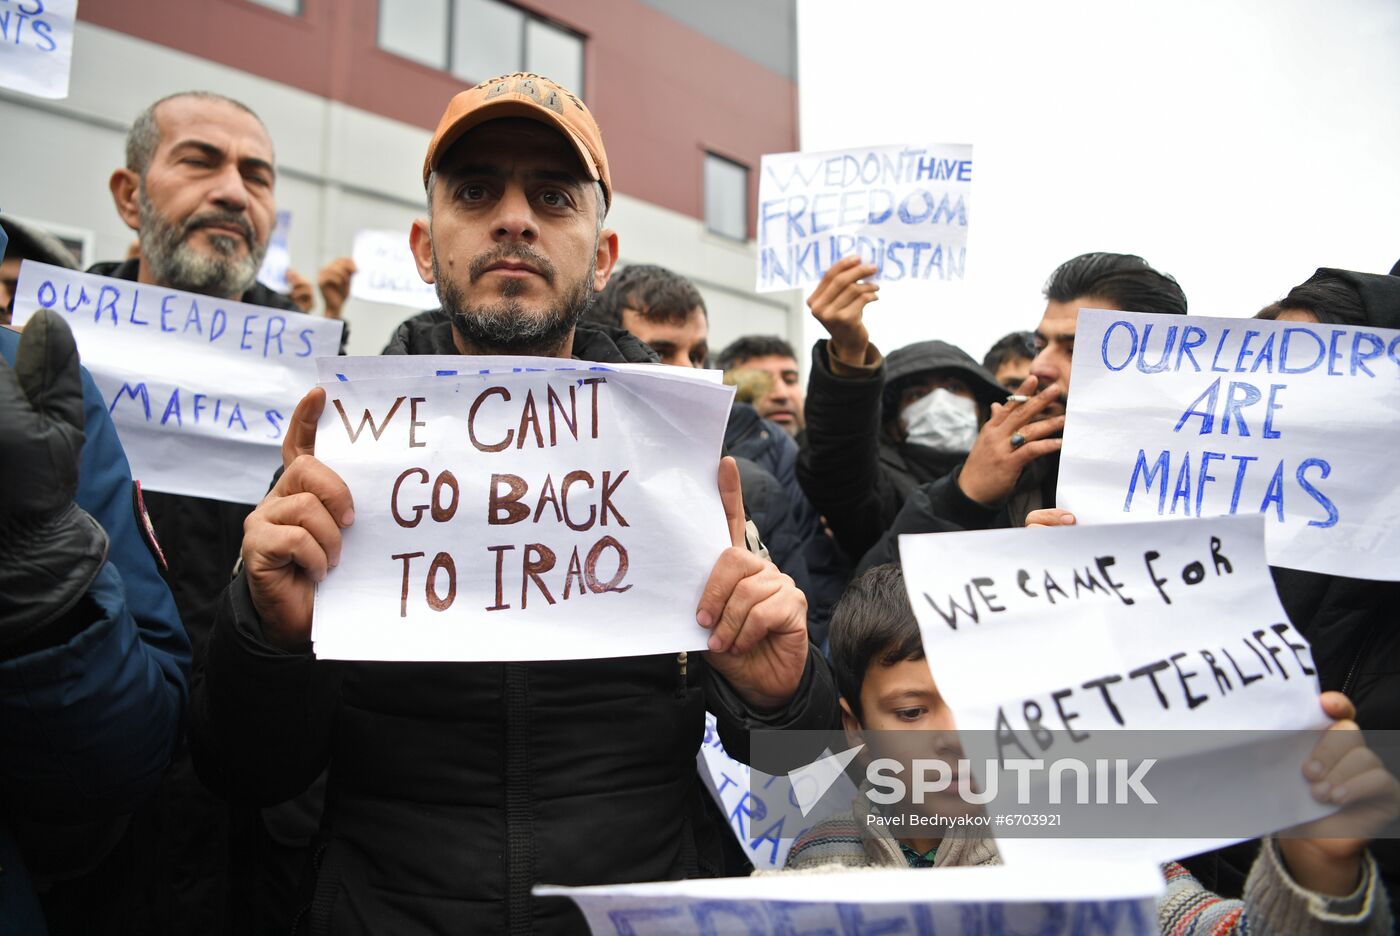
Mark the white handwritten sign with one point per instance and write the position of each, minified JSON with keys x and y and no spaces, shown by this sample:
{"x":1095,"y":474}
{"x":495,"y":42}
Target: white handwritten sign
{"x":527,"y":515}
{"x":36,"y":46}
{"x":1058,"y":899}
{"x":1051,"y":643}
{"x":200,"y":389}
{"x":761,"y":809}
{"x":387,"y":272}
{"x":902,"y":208}
{"x":1191,"y":417}
{"x":273,"y":272}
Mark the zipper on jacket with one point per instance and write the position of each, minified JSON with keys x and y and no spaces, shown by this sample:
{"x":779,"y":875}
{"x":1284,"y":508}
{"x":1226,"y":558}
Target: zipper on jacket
{"x":520,"y":812}
{"x":1356,"y":660}
{"x":682,"y":681}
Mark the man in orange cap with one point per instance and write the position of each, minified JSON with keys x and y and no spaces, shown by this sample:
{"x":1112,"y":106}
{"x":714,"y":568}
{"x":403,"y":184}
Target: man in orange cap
{"x":454,"y":788}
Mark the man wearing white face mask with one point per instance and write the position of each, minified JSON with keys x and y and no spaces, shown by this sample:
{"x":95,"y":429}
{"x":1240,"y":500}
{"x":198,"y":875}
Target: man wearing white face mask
{"x":879,"y":428}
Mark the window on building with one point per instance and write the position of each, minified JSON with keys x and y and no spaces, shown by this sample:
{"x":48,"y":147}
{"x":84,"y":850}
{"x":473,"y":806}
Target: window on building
{"x":480,"y":39}
{"x":415,"y":29}
{"x":726,"y":197}
{"x":290,"y":7}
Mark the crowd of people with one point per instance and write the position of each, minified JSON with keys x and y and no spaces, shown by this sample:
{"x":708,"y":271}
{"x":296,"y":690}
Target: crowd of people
{"x":174,"y":759}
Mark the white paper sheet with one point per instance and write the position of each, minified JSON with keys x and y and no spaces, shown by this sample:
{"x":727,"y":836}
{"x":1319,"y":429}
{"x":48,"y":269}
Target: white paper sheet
{"x":652,"y":442}
{"x":1056,"y":900}
{"x":1173,"y":416}
{"x":1019,"y":622}
{"x":36,"y":46}
{"x":902,"y":208}
{"x":386,"y":271}
{"x":200,"y":389}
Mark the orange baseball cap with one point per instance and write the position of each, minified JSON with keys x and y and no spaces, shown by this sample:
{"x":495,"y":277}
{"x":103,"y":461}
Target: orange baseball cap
{"x":530,"y":96}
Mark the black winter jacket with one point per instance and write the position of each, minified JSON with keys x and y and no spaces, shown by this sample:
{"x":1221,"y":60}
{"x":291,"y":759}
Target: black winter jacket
{"x":455,"y":788}
{"x":855,"y":475}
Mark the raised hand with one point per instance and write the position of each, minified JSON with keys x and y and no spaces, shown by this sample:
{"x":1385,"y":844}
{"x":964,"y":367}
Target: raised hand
{"x":292,"y":540}
{"x":839,"y":303}
{"x":334,"y":282}
{"x":757,"y":615}
{"x":1325,"y":856}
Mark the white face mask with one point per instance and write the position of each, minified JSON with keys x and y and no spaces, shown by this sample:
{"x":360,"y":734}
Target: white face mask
{"x":942,"y":421}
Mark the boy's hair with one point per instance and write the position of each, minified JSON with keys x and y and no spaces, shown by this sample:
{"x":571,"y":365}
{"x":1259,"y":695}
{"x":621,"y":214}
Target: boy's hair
{"x":873,"y":624}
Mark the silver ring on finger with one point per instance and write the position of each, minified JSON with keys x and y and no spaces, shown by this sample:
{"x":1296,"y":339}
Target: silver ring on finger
{"x":1017,"y":440}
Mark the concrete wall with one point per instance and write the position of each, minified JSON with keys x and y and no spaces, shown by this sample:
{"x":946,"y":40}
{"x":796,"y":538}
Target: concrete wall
{"x":342,"y":168}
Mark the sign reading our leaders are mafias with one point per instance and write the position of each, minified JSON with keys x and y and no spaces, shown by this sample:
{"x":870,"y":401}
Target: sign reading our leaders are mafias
{"x":200,"y":389}
{"x":1078,"y":642}
{"x":902,"y":208}
{"x":1176,"y":416}
{"x":36,"y":46}
{"x":523,"y":509}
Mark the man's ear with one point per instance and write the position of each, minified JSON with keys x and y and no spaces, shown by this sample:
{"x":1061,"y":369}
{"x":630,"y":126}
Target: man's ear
{"x":126,"y":188}
{"x":607,"y":258}
{"x":420,"y":241}
{"x":854,"y":735}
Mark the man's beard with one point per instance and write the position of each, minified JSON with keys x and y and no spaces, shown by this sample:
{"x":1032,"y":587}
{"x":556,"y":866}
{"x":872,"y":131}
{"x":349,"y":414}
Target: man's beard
{"x":173,"y":262}
{"x":504,"y":326}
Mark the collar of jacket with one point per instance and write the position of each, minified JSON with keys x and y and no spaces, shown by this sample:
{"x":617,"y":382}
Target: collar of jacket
{"x":431,"y":333}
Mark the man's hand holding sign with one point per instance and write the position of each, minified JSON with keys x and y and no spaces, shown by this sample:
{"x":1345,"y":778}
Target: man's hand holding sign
{"x":755,"y":614}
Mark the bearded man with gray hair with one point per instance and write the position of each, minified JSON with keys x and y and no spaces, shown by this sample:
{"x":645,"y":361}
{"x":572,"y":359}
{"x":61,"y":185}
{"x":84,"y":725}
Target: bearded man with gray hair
{"x":198,"y":190}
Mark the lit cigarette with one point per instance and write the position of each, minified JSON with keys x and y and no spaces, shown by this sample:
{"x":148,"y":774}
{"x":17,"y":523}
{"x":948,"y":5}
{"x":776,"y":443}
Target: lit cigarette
{"x":1017,"y":398}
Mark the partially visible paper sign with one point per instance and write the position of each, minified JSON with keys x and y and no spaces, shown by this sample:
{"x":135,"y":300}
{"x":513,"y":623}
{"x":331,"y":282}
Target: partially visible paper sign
{"x":902,"y":208}
{"x":200,"y":389}
{"x":36,"y":46}
{"x":1174,"y":416}
{"x":1057,"y":899}
{"x":452,"y":365}
{"x":273,"y":273}
{"x":530,"y":515}
{"x":762,"y":811}
{"x":387,"y":272}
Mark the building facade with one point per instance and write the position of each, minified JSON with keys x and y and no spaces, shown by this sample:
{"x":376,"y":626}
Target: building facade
{"x":689,"y":96}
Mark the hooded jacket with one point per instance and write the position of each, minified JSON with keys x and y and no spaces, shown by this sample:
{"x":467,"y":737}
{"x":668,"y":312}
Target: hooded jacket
{"x":454,"y":788}
{"x":855,"y":474}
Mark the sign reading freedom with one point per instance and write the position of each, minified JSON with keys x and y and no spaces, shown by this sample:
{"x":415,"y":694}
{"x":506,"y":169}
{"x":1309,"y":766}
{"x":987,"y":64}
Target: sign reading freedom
{"x":902,"y":208}
{"x":1176,"y":416}
{"x":567,"y":513}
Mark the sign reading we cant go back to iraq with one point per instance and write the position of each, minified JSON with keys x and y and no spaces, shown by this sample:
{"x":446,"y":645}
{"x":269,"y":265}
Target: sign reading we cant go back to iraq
{"x":1198,"y":417}
{"x":531,"y":509}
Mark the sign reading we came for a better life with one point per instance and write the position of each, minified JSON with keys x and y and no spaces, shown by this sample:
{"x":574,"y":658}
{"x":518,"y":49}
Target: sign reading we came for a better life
{"x":902,"y":208}
{"x":1063,"y":642}
{"x":554,"y":510}
{"x":200,"y":389}
{"x":1194,"y":417}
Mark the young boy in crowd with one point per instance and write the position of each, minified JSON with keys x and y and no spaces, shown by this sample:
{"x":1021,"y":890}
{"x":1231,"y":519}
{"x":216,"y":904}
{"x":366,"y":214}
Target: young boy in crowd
{"x":1298,"y":886}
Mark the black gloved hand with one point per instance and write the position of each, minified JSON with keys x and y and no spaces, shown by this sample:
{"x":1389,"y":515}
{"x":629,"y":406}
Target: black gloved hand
{"x":50,"y":549}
